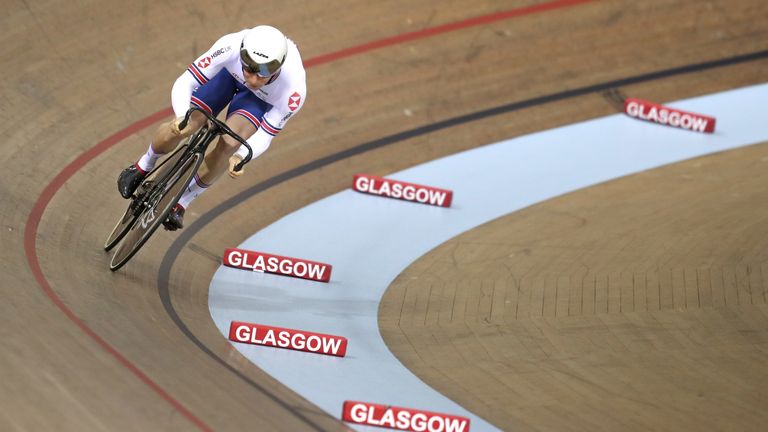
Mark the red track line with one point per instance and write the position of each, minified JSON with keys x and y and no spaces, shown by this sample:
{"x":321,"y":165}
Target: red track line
{"x":36,"y":215}
{"x":30,"y":238}
{"x":432,"y":31}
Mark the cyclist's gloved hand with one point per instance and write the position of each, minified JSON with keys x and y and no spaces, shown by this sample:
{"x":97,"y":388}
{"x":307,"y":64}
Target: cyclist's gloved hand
{"x":234,"y":160}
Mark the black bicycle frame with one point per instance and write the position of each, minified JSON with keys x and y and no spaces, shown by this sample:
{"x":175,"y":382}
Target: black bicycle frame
{"x":198,"y":143}
{"x":218,"y":128}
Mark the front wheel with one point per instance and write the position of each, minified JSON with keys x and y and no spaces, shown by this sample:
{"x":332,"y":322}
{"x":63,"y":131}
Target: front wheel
{"x":160,"y":201}
{"x":122,"y":226}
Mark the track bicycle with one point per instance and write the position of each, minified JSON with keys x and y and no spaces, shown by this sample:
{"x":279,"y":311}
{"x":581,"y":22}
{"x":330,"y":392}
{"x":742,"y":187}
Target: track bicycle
{"x":163,"y":187}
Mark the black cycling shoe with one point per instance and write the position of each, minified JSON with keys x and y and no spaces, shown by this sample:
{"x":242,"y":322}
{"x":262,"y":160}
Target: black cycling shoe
{"x":129,"y":180}
{"x":175,"y":218}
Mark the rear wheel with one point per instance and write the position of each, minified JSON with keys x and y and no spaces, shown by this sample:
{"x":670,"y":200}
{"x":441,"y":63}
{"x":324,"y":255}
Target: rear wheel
{"x":135,"y":207}
{"x":159,"y":202}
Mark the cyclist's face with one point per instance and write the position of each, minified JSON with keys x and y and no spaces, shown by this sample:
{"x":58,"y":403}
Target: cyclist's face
{"x":254,"y":81}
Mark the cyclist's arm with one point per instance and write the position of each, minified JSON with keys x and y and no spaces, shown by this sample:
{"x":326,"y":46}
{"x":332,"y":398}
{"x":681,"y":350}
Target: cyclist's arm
{"x":181,"y":93}
{"x":264,"y":135}
{"x":259,"y":143}
{"x":202,"y":70}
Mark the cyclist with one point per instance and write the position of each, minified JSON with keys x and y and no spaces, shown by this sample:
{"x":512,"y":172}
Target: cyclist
{"x":259,"y":73}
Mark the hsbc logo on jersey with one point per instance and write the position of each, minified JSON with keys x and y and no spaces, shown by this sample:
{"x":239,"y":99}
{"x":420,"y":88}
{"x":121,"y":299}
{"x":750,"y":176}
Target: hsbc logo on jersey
{"x":204,"y":62}
{"x":221,"y":51}
{"x":294,"y":101}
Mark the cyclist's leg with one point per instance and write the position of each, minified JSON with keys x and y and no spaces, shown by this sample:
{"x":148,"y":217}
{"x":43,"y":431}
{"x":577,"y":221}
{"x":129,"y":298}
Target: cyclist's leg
{"x":215,"y":164}
{"x":217,"y":160}
{"x":245,"y":113}
{"x":212,"y":96}
{"x":165,"y":139}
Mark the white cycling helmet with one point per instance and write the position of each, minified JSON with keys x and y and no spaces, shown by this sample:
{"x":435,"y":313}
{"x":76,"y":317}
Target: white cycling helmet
{"x":263,"y":50}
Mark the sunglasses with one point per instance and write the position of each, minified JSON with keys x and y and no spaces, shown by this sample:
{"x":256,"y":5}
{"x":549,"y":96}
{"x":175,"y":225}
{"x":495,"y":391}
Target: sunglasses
{"x":264,"y":70}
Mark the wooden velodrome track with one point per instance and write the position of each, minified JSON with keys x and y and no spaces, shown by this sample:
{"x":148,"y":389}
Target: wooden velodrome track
{"x":639,"y":304}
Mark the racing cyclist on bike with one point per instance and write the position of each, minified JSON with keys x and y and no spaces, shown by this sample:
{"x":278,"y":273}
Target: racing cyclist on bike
{"x":259,"y":73}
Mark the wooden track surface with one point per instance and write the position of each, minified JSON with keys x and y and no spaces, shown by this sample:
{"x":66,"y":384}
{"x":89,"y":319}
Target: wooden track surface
{"x":633,"y":309}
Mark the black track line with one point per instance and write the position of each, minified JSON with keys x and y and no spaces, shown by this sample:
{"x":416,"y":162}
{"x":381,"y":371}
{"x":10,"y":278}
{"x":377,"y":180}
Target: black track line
{"x":164,"y":273}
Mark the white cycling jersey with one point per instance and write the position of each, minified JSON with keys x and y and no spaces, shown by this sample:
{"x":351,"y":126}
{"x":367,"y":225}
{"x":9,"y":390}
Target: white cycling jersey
{"x":286,"y":92}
